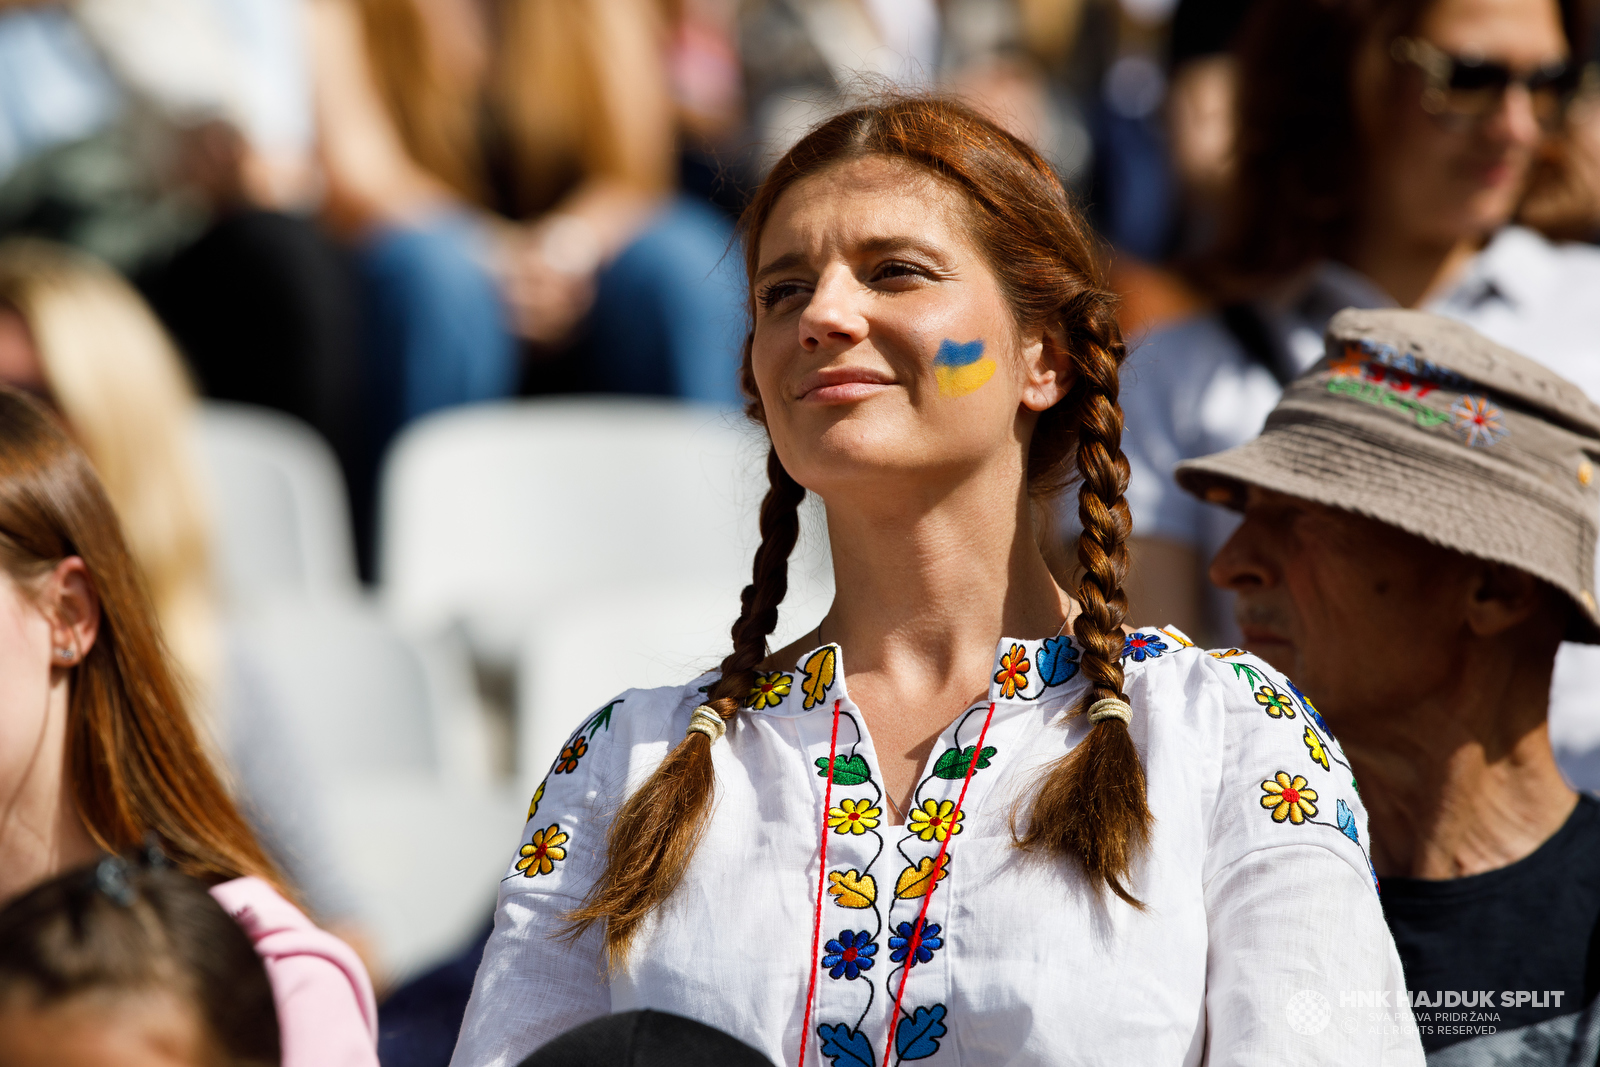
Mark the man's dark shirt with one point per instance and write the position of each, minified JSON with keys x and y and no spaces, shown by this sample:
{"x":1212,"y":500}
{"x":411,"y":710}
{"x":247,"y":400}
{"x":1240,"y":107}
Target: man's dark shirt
{"x":1526,"y":934}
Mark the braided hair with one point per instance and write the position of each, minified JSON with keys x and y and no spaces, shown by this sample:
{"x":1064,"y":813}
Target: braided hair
{"x":1091,"y":807}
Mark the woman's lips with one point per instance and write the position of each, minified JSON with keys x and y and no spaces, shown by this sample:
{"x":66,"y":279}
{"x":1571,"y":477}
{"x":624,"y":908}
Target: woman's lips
{"x":841,"y":385}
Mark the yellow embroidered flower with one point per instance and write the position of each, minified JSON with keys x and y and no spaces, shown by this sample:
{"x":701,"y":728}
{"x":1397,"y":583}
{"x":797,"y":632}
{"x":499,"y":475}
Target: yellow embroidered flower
{"x":1276,"y":704}
{"x":538,"y":795}
{"x":1013,"y":673}
{"x":567,"y":762}
{"x":854,"y":817}
{"x":541,"y":854}
{"x":935,"y":821}
{"x":1289,"y":798}
{"x":770,"y":689}
{"x":1313,"y":742}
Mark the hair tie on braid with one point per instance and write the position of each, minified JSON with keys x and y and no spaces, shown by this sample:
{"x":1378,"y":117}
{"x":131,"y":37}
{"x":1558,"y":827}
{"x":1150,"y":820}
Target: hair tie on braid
{"x":658,"y":828}
{"x":1101,"y":710}
{"x":705,"y":720}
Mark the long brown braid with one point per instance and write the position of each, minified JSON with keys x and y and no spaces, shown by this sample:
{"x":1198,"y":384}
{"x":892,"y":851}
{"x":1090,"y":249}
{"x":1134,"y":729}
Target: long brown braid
{"x":1092,"y":804}
{"x":659,"y":827}
{"x":1091,"y":808}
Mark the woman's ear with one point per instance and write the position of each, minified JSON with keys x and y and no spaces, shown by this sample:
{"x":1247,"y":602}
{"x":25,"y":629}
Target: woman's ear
{"x":1048,"y":369}
{"x":73,"y":608}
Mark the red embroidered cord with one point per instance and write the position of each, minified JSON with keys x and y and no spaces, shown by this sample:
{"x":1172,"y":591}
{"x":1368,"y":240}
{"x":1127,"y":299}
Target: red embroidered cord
{"x":822,"y":880}
{"x":933,"y":883}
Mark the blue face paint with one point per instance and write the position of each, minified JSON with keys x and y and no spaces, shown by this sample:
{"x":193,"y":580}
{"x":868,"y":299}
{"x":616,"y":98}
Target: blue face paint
{"x":961,"y":368}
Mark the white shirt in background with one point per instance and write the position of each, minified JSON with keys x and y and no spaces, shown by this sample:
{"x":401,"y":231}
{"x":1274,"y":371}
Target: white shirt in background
{"x":1261,"y":930}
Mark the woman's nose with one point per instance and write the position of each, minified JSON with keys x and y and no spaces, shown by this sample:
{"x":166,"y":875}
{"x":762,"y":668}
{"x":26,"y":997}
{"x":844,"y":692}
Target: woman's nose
{"x":835,"y":315}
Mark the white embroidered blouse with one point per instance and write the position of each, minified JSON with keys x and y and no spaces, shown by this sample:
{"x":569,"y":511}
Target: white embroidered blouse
{"x":797,"y":926}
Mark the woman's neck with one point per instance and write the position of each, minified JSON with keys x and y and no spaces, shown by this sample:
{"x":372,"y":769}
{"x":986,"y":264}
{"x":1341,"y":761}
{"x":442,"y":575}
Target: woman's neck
{"x":924,"y":589}
{"x":41,"y":832}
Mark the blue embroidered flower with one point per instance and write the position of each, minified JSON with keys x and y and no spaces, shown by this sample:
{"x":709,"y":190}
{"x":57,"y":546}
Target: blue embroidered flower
{"x":1311,"y":709}
{"x":1143,"y":646}
{"x":900,"y":942}
{"x":850,"y":955}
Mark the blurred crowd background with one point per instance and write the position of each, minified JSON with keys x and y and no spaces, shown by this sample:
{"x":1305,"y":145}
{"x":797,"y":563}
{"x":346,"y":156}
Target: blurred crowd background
{"x":404,"y":335}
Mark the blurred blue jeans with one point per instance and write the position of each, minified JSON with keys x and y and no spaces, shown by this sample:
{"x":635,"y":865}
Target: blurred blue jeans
{"x":669,"y":317}
{"x":436,"y":331}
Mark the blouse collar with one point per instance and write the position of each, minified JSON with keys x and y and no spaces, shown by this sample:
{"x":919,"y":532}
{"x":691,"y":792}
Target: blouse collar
{"x":1023,"y":671}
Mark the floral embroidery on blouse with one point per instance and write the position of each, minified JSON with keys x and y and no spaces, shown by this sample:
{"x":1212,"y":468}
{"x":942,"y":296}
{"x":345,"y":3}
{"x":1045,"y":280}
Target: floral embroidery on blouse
{"x":1142,"y":646}
{"x":1058,"y":661}
{"x":571,"y":753}
{"x":1226,"y":653}
{"x":935,"y":820}
{"x":819,"y":671}
{"x":1311,"y":709}
{"x":854,"y":817}
{"x":847,"y":770}
{"x":954,"y":762}
{"x":849,"y":954}
{"x":929,"y":943}
{"x":852,"y":889}
{"x":846,"y":1047}
{"x":533,"y":806}
{"x":913,"y":881}
{"x":1178,"y":636}
{"x":1288,"y":798}
{"x":1319,"y":754}
{"x":1013,"y":673}
{"x":917,"y":1034}
{"x":543,"y":852}
{"x":1276,"y":704}
{"x":770,"y":689}
{"x":1347,"y":822}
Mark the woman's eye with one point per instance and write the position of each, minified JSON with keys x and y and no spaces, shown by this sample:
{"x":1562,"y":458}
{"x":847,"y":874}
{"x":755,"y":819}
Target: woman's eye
{"x":894,"y":270}
{"x":776,"y":292}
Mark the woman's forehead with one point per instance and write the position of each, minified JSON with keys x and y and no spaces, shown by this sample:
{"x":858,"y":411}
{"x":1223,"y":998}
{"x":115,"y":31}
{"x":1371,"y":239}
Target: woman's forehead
{"x":863,"y":203}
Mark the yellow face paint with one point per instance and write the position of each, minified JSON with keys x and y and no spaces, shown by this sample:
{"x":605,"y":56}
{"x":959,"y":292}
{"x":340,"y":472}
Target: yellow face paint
{"x":961,"y":368}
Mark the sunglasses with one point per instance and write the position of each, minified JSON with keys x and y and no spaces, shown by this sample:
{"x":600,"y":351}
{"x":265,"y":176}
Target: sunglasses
{"x":1466,"y":87}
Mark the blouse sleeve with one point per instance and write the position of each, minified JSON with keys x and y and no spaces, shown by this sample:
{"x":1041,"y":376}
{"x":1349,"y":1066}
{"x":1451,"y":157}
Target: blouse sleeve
{"x":1301,"y":966}
{"x":534,"y":983}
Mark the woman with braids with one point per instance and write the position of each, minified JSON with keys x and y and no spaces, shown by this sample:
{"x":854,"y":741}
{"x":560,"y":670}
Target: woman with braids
{"x":1015,"y":832}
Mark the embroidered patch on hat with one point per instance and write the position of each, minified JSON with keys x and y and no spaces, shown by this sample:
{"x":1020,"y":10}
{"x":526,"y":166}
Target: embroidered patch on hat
{"x":1477,"y":421}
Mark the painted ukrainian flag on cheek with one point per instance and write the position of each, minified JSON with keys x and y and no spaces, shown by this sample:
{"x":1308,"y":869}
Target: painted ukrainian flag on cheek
{"x":962,"y":368}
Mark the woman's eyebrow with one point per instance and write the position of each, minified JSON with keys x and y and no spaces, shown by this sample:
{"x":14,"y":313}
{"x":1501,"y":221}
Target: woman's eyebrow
{"x":787,"y":261}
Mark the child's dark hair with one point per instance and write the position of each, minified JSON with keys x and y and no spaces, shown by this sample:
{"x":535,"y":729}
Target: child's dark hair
{"x":119,"y":926}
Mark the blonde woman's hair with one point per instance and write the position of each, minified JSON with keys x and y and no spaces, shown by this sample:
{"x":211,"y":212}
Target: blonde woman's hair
{"x":118,"y":381}
{"x":579,"y":88}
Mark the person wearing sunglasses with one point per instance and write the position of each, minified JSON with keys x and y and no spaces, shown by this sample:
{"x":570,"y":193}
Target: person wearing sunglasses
{"x":1388,"y":152}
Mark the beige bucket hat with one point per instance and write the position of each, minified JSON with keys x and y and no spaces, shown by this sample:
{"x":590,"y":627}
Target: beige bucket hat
{"x":1422,"y":423}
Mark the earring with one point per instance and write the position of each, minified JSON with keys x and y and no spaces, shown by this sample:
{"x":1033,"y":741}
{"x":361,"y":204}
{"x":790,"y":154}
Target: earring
{"x":66,"y":655}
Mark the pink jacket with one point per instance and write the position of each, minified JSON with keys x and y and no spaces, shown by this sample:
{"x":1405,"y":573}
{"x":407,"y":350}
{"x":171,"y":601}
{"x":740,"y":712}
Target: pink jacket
{"x":326,"y":1010}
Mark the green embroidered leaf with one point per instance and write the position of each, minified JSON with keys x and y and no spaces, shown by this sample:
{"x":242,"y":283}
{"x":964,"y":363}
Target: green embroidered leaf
{"x":601,"y":718}
{"x":1244,"y":670}
{"x":819,"y":676}
{"x":847,"y":770}
{"x":954,"y":763}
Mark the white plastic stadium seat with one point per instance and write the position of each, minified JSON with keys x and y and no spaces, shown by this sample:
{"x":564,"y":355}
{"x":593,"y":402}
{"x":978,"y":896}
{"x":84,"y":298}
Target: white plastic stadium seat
{"x":380,"y":721}
{"x":624,"y":637}
{"x":488,"y":513}
{"x":278,"y":501}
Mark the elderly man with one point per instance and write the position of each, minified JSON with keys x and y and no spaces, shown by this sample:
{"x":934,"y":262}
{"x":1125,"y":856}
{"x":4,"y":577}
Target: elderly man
{"x":1419,"y":535}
